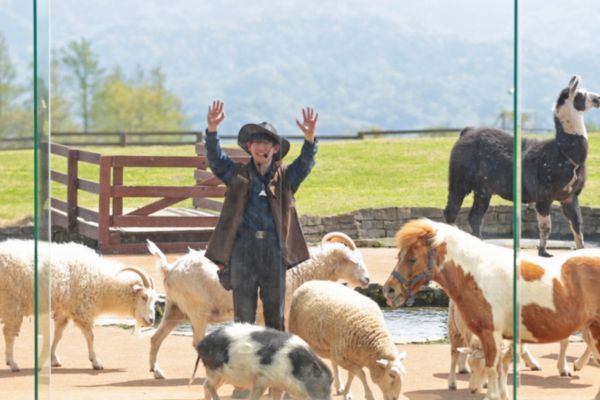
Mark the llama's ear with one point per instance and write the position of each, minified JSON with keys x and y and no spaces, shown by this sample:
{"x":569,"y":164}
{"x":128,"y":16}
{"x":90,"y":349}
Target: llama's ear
{"x":573,"y":84}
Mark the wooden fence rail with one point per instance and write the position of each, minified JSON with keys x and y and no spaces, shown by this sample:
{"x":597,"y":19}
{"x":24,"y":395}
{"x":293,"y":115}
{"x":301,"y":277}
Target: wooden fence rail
{"x":158,"y":138}
{"x":117,"y":230}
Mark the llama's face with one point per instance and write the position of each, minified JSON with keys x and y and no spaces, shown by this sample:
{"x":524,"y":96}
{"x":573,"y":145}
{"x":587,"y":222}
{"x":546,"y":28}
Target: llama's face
{"x":572,"y":102}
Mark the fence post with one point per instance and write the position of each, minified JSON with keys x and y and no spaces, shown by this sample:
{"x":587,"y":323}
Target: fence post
{"x":117,"y":181}
{"x":104,"y":204}
{"x":123,"y":139}
{"x":72,"y":186}
{"x":199,"y":137}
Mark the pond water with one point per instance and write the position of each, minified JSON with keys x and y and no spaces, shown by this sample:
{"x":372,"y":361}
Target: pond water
{"x":417,"y":324}
{"x":406,"y":324}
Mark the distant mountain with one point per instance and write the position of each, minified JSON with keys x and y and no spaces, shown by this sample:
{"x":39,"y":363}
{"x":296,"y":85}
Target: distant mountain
{"x":378,"y":64}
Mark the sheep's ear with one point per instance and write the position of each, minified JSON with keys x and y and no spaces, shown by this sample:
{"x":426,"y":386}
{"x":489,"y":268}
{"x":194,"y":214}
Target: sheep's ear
{"x":573,"y":85}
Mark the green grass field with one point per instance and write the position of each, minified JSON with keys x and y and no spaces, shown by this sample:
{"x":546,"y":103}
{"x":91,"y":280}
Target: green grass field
{"x":349,"y":175}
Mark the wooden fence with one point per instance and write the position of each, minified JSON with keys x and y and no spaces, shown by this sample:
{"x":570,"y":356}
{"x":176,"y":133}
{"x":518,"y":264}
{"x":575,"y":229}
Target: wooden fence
{"x":123,"y":139}
{"x":124,"y":231}
{"x":158,"y":138}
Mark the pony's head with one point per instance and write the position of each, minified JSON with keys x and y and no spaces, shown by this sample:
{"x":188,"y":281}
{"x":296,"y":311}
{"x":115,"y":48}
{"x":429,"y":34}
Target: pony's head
{"x":572,"y":102}
{"x":417,"y":260}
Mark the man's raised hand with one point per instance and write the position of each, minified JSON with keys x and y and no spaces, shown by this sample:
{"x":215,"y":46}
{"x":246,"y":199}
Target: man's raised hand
{"x":309,"y":124}
{"x":215,"y":115}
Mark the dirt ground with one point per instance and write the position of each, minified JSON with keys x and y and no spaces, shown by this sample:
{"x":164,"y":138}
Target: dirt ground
{"x":126,"y":374}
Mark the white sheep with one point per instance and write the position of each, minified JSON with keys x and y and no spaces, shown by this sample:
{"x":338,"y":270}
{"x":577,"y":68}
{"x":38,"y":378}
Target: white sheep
{"x":83,"y":285}
{"x":193,"y":290}
{"x":348,"y":328}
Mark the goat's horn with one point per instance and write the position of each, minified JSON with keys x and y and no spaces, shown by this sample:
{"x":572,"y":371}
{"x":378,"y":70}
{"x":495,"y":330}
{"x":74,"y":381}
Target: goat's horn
{"x":147,"y":281}
{"x":339,"y":237}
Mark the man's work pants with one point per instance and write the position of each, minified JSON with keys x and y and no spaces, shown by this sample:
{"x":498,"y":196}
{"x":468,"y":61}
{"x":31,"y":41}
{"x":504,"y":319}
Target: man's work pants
{"x":257,"y":269}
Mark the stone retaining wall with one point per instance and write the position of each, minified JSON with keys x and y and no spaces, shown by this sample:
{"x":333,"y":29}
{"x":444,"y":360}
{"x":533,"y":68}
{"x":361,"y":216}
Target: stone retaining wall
{"x":373,"y":223}
{"x":376,"y":223}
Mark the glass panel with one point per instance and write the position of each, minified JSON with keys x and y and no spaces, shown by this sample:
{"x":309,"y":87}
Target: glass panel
{"x":41,"y":68}
{"x":20,"y":166}
{"x":517,"y":198}
{"x":557,"y":69}
{"x":407,"y":77}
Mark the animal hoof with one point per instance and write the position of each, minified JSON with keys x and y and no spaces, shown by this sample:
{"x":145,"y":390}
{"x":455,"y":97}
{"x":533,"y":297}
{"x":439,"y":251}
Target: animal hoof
{"x":14,"y":367}
{"x":536,"y":368}
{"x":158,"y":374}
{"x":452,"y":387}
{"x":543,"y":253}
{"x":565,"y":373}
{"x":97,"y":366}
{"x":463,"y":371}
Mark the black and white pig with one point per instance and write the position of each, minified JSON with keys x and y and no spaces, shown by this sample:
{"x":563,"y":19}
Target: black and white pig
{"x":250,"y":356}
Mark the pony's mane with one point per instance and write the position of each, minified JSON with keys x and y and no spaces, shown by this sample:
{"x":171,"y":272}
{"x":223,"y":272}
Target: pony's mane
{"x":435,"y":233}
{"x":413,"y":231}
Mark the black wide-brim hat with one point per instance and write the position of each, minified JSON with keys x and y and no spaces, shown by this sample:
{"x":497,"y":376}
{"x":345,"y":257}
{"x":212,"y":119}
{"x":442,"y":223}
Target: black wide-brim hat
{"x":249,"y":130}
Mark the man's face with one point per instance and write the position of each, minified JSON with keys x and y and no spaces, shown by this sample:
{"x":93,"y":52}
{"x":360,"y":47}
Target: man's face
{"x":262,"y":151}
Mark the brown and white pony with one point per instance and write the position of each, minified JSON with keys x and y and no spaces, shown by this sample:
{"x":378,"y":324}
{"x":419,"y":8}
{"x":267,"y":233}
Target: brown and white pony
{"x":559,"y":295}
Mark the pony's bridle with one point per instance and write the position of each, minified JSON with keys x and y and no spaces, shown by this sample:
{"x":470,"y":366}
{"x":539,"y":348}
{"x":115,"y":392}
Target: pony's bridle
{"x":408,"y":283}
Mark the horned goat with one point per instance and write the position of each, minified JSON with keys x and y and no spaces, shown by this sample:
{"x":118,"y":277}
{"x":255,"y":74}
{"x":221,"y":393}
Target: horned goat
{"x":83,"y":286}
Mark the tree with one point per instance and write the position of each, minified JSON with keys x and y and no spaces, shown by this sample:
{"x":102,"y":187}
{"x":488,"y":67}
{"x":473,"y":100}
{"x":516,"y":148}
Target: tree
{"x":62,"y":119}
{"x":14,"y":119}
{"x":138,"y":104}
{"x":86,"y":75}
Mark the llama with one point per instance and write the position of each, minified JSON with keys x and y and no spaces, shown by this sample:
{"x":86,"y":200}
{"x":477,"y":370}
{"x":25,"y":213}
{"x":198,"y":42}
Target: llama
{"x":481,"y":162}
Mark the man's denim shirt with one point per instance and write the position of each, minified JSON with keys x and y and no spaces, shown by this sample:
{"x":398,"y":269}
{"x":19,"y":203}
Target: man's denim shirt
{"x":257,"y":214}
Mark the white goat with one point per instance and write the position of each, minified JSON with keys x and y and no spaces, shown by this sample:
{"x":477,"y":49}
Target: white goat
{"x":84,"y":285}
{"x":348,"y":328}
{"x":193,"y":290}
